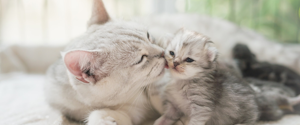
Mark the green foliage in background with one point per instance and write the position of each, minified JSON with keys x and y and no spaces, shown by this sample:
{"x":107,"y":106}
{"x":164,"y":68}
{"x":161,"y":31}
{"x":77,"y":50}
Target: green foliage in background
{"x":276,"y":19}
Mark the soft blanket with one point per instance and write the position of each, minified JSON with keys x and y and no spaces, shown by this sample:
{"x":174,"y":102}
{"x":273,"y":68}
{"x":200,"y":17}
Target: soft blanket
{"x":22,"y":102}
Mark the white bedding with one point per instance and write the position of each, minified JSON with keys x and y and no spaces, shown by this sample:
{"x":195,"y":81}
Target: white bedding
{"x":22,"y":103}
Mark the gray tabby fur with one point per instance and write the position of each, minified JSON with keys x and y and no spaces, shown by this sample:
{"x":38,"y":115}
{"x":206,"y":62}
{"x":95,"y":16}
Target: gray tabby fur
{"x":202,"y":92}
{"x":273,"y":99}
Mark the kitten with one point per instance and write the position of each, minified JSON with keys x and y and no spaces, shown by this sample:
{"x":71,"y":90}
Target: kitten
{"x":250,"y":67}
{"x":201,"y":92}
{"x":104,"y":75}
{"x":274,"y":100}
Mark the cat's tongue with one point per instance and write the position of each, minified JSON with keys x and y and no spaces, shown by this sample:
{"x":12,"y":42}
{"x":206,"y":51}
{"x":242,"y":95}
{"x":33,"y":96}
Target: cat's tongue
{"x":166,"y":66}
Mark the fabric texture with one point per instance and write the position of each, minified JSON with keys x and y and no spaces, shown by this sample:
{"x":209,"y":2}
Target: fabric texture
{"x":30,"y":59}
{"x":22,"y":102}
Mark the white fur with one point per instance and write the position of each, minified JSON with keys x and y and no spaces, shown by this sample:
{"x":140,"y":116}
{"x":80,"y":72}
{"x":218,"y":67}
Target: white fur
{"x":117,"y":93}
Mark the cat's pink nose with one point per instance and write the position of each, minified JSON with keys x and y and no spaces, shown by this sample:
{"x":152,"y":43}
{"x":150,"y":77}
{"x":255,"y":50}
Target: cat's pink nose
{"x":162,"y":55}
{"x":175,"y":64}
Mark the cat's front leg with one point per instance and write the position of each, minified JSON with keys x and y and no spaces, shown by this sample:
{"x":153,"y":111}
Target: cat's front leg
{"x":108,"y":117}
{"x":170,"y":116}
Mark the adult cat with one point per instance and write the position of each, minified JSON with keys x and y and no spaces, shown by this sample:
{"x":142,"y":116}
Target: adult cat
{"x":103,"y":76}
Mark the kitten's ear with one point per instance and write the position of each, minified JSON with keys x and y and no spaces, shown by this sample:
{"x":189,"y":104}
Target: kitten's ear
{"x":211,"y":53}
{"x":99,"y":13}
{"x":79,"y":64}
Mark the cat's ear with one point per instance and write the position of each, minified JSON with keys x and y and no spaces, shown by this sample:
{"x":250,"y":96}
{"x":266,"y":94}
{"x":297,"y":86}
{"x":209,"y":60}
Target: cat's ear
{"x":79,"y":63}
{"x":99,"y":13}
{"x":211,"y":51}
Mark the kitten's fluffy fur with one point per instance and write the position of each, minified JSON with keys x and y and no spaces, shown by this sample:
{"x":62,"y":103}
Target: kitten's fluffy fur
{"x":251,"y":67}
{"x":104,"y":74}
{"x":273,"y":99}
{"x":201,"y":92}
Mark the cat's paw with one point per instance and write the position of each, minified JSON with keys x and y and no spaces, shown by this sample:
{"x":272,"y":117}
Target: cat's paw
{"x":100,"y":118}
{"x":104,"y":121}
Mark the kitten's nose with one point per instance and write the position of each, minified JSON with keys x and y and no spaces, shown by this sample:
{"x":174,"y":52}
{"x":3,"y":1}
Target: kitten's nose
{"x":175,"y":64}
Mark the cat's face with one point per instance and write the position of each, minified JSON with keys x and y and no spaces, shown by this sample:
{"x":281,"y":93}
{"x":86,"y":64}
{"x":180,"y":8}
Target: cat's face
{"x":120,"y":50}
{"x":189,"y":53}
{"x":117,"y":53}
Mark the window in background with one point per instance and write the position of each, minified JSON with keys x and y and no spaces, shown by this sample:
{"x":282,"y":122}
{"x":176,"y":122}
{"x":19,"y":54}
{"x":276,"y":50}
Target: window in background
{"x":276,"y":19}
{"x":55,"y":22}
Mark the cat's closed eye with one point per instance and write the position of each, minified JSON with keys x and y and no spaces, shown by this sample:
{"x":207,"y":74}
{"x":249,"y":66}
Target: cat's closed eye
{"x":141,"y":60}
{"x":189,"y":60}
{"x":148,"y":36}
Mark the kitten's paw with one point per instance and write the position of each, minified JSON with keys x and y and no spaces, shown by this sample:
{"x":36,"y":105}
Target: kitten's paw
{"x":101,"y":118}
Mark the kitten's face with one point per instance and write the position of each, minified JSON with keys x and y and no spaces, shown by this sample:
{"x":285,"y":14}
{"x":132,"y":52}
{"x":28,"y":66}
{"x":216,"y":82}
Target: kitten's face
{"x":188,"y":53}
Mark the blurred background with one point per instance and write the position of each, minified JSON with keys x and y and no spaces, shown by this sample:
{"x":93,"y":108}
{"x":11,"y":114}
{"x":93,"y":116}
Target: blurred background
{"x":31,"y":29}
{"x":33,"y":32}
{"x":55,"y":22}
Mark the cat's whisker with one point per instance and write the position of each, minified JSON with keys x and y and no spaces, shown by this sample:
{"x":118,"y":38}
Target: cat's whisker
{"x":134,"y":101}
{"x":130,"y":95}
{"x":148,"y":91}
{"x":149,"y":94}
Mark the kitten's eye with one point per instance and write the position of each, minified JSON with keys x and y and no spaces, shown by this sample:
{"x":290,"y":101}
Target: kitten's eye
{"x":172,"y":53}
{"x":189,"y":60}
{"x":143,"y":56}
